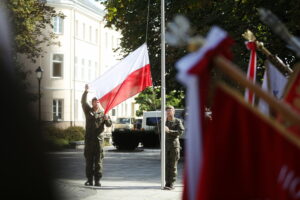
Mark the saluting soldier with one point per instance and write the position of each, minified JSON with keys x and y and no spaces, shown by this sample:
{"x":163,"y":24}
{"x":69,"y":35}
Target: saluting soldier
{"x":93,"y":143}
{"x":174,"y":128}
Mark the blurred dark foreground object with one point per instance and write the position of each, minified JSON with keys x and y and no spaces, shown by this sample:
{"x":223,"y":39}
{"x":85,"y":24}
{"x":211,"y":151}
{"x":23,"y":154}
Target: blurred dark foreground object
{"x":25,"y":172}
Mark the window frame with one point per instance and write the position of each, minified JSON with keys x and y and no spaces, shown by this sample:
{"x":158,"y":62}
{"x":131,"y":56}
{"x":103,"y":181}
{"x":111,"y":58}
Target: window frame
{"x":58,"y":25}
{"x":76,"y":28}
{"x":83,"y":31}
{"x":52,"y":67}
{"x":57,"y":100}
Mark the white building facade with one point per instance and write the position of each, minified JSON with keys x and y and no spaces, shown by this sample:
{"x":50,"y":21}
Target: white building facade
{"x":85,"y":52}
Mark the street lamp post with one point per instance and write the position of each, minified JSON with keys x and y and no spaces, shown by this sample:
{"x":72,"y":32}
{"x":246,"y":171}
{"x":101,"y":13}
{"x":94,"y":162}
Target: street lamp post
{"x":39,"y":75}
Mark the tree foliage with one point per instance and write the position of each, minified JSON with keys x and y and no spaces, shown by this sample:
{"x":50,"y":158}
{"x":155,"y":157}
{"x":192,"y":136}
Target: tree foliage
{"x":31,"y":21}
{"x":234,"y":16}
{"x":150,"y":99}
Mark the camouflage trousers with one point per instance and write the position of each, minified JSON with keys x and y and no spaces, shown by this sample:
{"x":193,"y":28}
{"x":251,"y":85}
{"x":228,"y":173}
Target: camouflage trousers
{"x":93,"y":153}
{"x":172,"y":157}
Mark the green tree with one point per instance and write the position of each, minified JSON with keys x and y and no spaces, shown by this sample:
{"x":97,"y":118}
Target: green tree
{"x":150,"y":100}
{"x":234,"y":16}
{"x":31,"y":22}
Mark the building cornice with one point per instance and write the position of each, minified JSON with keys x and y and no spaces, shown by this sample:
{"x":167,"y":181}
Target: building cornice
{"x":80,"y":5}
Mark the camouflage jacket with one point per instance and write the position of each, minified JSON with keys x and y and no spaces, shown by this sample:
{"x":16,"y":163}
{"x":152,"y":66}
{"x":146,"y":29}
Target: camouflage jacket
{"x":176,"y":128}
{"x":94,"y":121}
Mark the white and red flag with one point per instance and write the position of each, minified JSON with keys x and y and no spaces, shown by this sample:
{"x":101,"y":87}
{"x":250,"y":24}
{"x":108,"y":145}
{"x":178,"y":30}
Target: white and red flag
{"x":251,"y":73}
{"x":124,"y":80}
{"x":190,"y":68}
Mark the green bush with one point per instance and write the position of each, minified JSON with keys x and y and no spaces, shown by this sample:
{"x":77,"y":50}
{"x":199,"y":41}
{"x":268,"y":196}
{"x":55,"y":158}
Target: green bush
{"x":57,"y":138}
{"x":56,"y":143}
{"x":149,"y":139}
{"x":126,"y":140}
{"x":74,"y":133}
{"x":52,"y":132}
{"x":129,"y":140}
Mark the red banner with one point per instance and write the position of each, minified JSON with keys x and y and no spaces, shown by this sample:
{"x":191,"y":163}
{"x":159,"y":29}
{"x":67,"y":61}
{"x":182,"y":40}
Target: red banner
{"x":292,"y":98}
{"x":247,"y":156}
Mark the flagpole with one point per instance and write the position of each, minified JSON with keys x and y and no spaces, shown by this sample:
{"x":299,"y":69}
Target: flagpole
{"x":248,"y":35}
{"x":163,"y":94}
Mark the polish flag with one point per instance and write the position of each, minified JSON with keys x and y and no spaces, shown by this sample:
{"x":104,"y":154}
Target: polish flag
{"x":124,"y":80}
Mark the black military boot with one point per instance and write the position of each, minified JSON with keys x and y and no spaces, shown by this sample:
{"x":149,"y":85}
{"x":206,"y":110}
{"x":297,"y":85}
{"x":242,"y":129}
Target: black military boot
{"x":97,"y":183}
{"x":88,"y":183}
{"x":169,"y":186}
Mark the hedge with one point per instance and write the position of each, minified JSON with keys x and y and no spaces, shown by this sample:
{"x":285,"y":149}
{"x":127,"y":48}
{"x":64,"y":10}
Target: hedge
{"x":130,"y":139}
{"x":125,"y":140}
{"x":75,"y":133}
{"x":57,"y":138}
{"x":150,"y":139}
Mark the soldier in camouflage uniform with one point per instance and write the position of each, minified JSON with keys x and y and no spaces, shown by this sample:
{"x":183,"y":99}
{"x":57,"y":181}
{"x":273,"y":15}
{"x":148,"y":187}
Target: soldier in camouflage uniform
{"x":93,"y":148}
{"x":174,"y":128}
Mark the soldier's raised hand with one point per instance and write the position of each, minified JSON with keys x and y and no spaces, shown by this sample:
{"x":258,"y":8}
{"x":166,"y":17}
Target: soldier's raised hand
{"x":167,"y":129}
{"x":105,"y":117}
{"x":86,"y":87}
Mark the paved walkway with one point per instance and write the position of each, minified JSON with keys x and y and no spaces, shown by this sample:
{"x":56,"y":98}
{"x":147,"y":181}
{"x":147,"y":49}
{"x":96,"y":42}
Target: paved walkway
{"x":127,"y":176}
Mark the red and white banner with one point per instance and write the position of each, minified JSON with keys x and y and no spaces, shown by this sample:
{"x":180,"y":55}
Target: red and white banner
{"x":251,"y":73}
{"x":247,"y":155}
{"x":124,"y":80}
{"x":240,"y":153}
{"x":189,"y":68}
{"x":292,"y":98}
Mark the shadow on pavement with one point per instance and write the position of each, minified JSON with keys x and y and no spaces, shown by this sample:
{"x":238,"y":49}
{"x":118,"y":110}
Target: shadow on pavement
{"x":122,"y":187}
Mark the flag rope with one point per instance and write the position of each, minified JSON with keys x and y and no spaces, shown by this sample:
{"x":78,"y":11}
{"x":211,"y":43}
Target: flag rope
{"x":147,"y":23}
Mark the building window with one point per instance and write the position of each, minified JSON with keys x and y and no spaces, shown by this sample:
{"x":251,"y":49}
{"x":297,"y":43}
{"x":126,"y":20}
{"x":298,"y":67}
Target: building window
{"x":95,"y":70}
{"x":76,"y":27}
{"x":90,"y":33}
{"x":106,"y":40}
{"x":90,"y":71}
{"x":76,"y":109}
{"x":57,"y":65}
{"x":82,"y":69}
{"x":113,"y":112}
{"x":57,"y":109}
{"x":96,"y":36}
{"x":58,"y":25}
{"x":76,"y":67}
{"x":83,"y":31}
